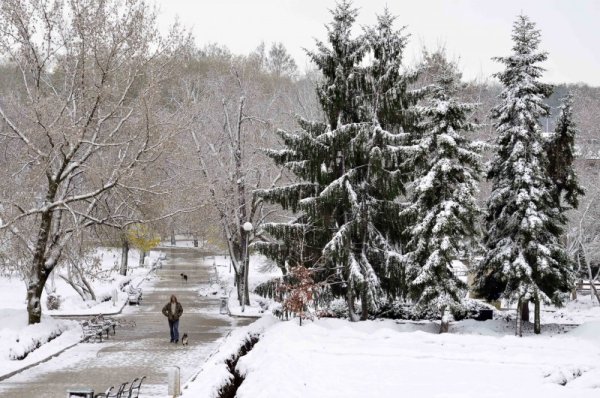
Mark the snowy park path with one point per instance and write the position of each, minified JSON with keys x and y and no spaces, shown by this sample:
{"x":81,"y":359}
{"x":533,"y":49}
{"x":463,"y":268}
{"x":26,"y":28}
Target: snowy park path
{"x":141,"y":351}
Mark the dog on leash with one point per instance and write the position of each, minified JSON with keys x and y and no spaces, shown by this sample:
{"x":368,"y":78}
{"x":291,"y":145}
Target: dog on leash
{"x":184,"y":339}
{"x":184,"y":277}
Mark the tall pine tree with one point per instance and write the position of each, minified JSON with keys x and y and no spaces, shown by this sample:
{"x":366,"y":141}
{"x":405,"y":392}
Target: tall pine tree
{"x":348,"y":174}
{"x":443,"y":207}
{"x":524,"y":259}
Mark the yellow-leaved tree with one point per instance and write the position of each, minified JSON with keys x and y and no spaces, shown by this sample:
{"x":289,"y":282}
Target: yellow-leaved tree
{"x":143,"y":238}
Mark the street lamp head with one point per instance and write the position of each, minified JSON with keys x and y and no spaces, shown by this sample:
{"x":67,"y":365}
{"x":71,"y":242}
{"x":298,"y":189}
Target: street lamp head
{"x":247,"y":226}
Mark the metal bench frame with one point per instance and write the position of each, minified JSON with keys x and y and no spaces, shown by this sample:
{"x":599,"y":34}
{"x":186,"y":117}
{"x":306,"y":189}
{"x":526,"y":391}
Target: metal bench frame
{"x":123,"y":392}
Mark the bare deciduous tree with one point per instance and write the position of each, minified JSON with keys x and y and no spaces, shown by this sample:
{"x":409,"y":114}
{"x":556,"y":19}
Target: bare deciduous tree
{"x":82,"y":123}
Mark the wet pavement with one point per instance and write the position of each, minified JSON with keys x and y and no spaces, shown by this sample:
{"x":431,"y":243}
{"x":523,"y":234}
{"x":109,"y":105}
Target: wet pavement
{"x":143,"y":350}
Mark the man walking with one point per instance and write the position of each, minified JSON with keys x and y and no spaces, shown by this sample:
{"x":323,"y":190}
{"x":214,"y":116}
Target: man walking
{"x":173,"y":310}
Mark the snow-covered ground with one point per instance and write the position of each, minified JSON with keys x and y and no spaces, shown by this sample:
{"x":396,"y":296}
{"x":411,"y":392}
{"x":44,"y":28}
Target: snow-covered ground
{"x":335,"y":358}
{"x":18,"y":340}
{"x":111,"y":280}
{"x":584,"y":309}
{"x":387,"y":358}
{"x":214,"y":373}
{"x":261,"y":270}
{"x":52,"y":335}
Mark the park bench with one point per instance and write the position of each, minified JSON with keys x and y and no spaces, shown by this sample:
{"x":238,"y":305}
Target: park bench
{"x":94,"y":328}
{"x":134,"y":295}
{"x":585,"y":285}
{"x":125,"y":390}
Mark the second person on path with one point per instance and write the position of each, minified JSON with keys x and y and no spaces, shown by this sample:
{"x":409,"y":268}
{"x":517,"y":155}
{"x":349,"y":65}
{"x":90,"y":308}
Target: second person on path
{"x":173,"y":310}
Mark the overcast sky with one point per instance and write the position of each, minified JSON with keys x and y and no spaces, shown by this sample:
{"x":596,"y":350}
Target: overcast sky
{"x":472,"y":31}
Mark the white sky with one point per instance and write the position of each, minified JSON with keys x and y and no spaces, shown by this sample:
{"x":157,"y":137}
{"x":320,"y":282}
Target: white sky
{"x":472,"y":31}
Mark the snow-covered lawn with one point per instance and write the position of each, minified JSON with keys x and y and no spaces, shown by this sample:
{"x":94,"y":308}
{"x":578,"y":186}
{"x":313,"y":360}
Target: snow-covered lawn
{"x":261,"y":270}
{"x":387,"y":358}
{"x":33,"y":342}
{"x":335,"y":358}
{"x":584,"y":309}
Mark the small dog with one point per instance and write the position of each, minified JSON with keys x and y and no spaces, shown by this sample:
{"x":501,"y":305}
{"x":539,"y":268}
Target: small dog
{"x":184,"y":339}
{"x":184,"y":277}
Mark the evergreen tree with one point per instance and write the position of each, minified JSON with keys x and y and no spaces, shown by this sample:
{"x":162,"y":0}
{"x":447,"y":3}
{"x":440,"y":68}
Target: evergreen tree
{"x":387,"y":96}
{"x":524,"y":259}
{"x":348,"y":176}
{"x":443,"y":207}
{"x":339,"y":92}
{"x":560,"y":149}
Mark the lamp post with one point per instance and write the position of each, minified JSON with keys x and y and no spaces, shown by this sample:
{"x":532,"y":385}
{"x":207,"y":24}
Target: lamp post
{"x":247,"y":227}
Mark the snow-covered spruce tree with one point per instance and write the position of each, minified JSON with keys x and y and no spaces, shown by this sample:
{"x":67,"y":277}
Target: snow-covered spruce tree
{"x":339,"y":92}
{"x":349,"y":178}
{"x":524,"y":259}
{"x":443,"y":207}
{"x":560,"y":148}
{"x":301,"y":241}
{"x":387,"y":97}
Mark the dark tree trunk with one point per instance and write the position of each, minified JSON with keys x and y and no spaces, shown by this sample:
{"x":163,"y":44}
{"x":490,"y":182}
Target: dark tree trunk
{"x":525,"y":311}
{"x":39,"y":270}
{"x":445,"y":322}
{"x":238,"y":284}
{"x":364,"y":304}
{"x":124,"y":257}
{"x":350,"y":301}
{"x":173,"y":241}
{"x":246,"y":288}
{"x":537,"y":327}
{"x":34,"y":295}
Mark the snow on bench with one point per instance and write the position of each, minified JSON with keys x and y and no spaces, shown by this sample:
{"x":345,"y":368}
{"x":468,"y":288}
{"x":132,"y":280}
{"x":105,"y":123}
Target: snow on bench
{"x":94,"y":329}
{"x":134,"y":295}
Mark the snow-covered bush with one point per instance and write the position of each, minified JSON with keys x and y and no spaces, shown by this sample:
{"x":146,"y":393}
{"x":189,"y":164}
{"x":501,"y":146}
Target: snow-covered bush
{"x":466,"y":309}
{"x":53,"y":301}
{"x":34,"y":336}
{"x":337,"y":308}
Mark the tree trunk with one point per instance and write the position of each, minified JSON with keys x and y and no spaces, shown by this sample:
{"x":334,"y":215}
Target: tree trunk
{"x":350,"y":301}
{"x":519,"y":325}
{"x":124,"y":258}
{"x":142,"y":257}
{"x":173,"y":241}
{"x":525,"y":311}
{"x":38,"y":273}
{"x":74,"y":286}
{"x":592,"y":279}
{"x":246,"y":288}
{"x":239,"y":286}
{"x":445,"y":321}
{"x":34,"y":295}
{"x":364,"y":303}
{"x":537,"y":327}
